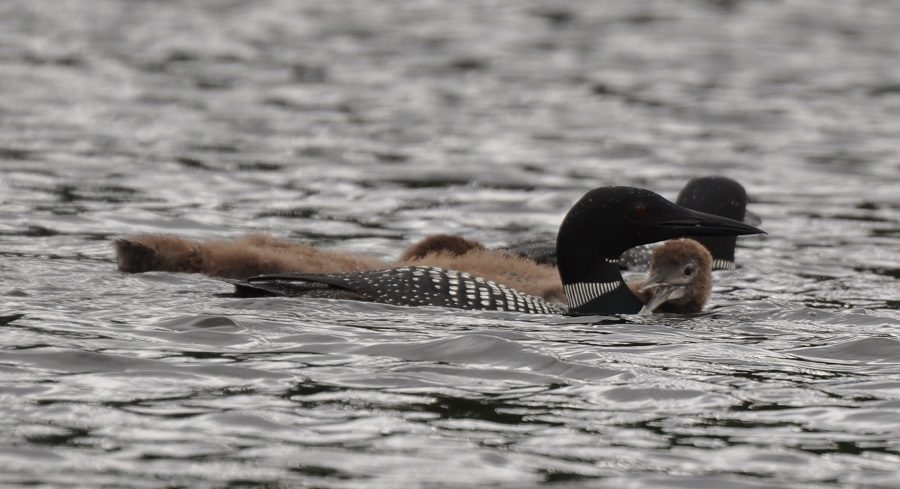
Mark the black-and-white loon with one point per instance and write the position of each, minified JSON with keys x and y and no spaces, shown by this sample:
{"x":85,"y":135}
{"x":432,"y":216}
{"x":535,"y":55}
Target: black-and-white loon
{"x":599,"y":227}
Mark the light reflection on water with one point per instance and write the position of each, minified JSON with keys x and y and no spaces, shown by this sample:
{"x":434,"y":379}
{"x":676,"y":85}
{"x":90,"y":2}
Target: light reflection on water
{"x":364,"y":126}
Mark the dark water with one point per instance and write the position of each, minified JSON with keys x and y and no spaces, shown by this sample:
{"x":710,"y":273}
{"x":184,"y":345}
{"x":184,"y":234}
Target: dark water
{"x":363,"y":125}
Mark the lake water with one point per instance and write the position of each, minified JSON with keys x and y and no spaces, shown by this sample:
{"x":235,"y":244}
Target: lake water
{"x":364,"y":125}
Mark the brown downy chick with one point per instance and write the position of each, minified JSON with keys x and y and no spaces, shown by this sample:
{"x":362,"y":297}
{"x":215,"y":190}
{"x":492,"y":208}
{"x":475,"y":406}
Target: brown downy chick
{"x":259,"y":254}
{"x":440,"y":244}
{"x":679,"y":280}
{"x":250,"y":255}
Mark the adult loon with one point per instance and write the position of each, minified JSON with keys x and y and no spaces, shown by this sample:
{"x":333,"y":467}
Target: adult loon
{"x":600,"y":226}
{"x":713,"y":194}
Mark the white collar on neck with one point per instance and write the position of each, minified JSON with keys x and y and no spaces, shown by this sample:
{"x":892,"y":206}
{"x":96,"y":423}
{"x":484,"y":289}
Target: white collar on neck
{"x":720,"y":264}
{"x":583,"y":292}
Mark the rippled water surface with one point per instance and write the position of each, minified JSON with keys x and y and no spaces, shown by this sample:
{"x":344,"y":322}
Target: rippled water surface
{"x":365,"y":125}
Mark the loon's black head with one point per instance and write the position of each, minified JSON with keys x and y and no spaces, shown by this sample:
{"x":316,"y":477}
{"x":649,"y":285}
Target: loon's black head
{"x":721,"y":196}
{"x":609,"y":220}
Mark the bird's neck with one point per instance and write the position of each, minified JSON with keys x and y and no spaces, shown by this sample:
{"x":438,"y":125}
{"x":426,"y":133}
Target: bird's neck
{"x":722,"y":250}
{"x":593,"y":284}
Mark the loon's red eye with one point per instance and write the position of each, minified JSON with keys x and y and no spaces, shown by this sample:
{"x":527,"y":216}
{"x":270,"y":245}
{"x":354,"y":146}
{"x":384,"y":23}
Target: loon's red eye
{"x":639,"y":210}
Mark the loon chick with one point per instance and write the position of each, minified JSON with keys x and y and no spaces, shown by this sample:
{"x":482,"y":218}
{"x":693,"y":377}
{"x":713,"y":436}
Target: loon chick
{"x":240,"y":258}
{"x":436,"y":244}
{"x":259,"y":254}
{"x":599,"y":227}
{"x":679,"y":280}
{"x":714,"y":194}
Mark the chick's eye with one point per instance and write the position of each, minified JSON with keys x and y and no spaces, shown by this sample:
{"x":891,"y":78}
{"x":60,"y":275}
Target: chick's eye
{"x":688,"y":270}
{"x":639,"y":210}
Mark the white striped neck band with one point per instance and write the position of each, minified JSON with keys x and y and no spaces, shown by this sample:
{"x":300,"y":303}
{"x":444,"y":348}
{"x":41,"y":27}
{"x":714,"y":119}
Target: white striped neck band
{"x":720,"y":264}
{"x":581,"y":293}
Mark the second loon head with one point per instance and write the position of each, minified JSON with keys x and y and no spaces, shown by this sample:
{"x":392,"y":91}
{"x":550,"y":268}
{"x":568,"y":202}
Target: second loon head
{"x":721,"y":196}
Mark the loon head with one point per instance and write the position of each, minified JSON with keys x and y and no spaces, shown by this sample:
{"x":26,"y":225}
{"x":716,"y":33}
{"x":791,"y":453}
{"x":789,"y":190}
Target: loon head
{"x":609,"y":220}
{"x":721,"y":196}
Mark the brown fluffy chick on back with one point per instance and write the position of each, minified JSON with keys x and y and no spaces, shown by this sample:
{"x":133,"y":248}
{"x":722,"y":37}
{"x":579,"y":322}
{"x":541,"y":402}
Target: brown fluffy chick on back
{"x":679,"y":280}
{"x":239,"y":258}
{"x":440,"y":244}
{"x":259,"y":254}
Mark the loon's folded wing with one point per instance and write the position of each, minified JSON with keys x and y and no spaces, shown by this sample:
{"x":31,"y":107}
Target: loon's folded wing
{"x":292,"y":285}
{"x":407,"y":286}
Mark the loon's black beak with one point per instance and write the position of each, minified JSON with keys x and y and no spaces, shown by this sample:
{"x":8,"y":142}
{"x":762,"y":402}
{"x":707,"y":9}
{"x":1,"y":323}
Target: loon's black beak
{"x":693,"y":223}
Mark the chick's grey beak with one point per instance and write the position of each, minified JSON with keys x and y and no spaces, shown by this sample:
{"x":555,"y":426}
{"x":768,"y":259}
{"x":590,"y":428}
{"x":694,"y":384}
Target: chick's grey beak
{"x":661,"y":293}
